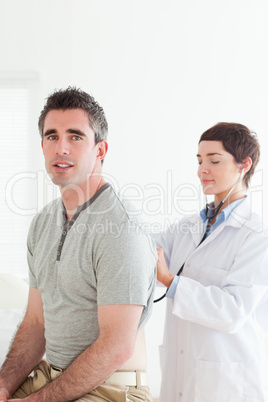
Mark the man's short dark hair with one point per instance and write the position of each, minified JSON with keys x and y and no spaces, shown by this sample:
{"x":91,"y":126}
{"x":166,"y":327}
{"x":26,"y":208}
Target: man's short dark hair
{"x":238,"y":140}
{"x":75,"y":98}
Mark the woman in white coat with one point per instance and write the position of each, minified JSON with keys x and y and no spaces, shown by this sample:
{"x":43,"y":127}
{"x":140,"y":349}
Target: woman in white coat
{"x":217,"y":308}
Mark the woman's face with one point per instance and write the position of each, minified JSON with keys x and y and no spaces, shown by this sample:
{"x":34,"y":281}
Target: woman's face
{"x":217,"y":169}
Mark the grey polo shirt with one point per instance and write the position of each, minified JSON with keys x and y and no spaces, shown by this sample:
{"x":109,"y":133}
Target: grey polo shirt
{"x":101,"y":257}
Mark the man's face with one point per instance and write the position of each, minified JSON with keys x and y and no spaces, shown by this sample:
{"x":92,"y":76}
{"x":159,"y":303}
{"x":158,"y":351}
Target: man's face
{"x":69,"y":148}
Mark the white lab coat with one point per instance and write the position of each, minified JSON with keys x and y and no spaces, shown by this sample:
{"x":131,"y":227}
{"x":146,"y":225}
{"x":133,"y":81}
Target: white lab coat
{"x":215,"y":329}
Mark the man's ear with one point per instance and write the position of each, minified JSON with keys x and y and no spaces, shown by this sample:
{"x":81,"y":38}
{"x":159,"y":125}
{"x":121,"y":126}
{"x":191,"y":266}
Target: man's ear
{"x":247,"y":163}
{"x":42,"y":145}
{"x":102,"y":149}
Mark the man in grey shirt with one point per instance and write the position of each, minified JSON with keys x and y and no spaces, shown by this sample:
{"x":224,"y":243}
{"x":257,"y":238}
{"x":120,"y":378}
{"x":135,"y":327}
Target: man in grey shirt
{"x":92,"y":274}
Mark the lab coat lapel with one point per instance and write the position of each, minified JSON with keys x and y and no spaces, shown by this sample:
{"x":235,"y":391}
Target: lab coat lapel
{"x":242,"y":215}
{"x":196,"y":229}
{"x":239,"y":217}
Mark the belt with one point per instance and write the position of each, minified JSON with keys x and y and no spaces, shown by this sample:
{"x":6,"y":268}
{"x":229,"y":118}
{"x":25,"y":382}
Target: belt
{"x":56,"y":368}
{"x":129,"y":378}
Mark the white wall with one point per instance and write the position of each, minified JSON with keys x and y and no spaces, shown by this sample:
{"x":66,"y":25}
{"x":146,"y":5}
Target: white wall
{"x":164,"y":71}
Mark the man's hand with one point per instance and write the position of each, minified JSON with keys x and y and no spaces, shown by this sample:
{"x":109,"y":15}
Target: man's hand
{"x":163,"y":274}
{"x":4,"y":395}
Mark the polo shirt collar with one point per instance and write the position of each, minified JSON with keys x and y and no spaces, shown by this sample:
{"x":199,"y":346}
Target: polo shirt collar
{"x":82,"y":207}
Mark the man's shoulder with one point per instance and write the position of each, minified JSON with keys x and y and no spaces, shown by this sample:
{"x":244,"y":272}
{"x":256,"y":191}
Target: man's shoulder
{"x":114,"y":206}
{"x":122,"y":221}
{"x":48,"y":213}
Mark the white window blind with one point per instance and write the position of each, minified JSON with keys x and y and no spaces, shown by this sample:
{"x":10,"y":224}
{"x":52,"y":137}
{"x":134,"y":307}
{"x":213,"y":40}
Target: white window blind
{"x":15,"y":101}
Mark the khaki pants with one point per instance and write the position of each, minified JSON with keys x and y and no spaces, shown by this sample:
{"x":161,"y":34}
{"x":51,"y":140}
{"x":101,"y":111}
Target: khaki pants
{"x":44,"y":373}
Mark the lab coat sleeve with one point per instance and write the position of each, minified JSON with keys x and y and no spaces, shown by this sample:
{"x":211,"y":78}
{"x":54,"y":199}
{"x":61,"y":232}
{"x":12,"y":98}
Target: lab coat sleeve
{"x":165,"y":240}
{"x":228,"y":306}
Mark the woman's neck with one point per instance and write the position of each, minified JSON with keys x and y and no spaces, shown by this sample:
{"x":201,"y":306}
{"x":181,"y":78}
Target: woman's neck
{"x":232,"y":198}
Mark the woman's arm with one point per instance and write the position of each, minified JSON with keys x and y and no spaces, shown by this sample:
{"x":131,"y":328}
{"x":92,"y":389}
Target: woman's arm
{"x":242,"y":288}
{"x":163,"y":274}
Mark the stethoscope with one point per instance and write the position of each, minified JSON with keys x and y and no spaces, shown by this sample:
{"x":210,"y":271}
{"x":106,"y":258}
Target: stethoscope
{"x":209,"y":216}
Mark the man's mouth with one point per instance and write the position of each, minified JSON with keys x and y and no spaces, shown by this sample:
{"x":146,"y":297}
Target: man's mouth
{"x":62,"y":165}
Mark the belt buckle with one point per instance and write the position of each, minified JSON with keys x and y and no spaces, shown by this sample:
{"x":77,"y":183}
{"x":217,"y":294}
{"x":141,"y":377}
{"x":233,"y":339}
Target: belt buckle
{"x":56,"y":368}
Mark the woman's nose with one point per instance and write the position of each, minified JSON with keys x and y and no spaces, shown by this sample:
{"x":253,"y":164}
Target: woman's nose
{"x":203,"y":168}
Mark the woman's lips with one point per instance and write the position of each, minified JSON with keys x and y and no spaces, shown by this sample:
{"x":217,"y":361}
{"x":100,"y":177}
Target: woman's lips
{"x":206,"y":181}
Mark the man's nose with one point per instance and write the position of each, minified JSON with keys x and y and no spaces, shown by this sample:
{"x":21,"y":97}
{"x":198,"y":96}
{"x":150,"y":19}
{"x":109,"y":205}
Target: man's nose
{"x":62,"y":147}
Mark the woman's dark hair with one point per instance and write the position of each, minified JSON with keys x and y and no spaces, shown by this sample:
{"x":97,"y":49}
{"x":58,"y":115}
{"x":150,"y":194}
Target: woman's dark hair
{"x":238,"y":140}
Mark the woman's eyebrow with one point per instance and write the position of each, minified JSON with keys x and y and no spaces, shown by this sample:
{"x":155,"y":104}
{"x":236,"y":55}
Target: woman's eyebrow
{"x":210,"y":154}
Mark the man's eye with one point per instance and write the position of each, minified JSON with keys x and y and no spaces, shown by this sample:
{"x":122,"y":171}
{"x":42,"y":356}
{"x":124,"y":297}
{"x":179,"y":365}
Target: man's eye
{"x":51,"y":137}
{"x":214,"y":162}
{"x":76,"y":137}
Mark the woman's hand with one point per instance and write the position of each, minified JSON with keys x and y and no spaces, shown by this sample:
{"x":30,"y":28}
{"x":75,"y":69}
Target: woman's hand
{"x":163,"y":274}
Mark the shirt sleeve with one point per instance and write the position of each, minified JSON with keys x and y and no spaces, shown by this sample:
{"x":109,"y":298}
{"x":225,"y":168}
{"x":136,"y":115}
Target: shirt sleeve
{"x":126,"y":267}
{"x":173,"y":287}
{"x":30,"y":258}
